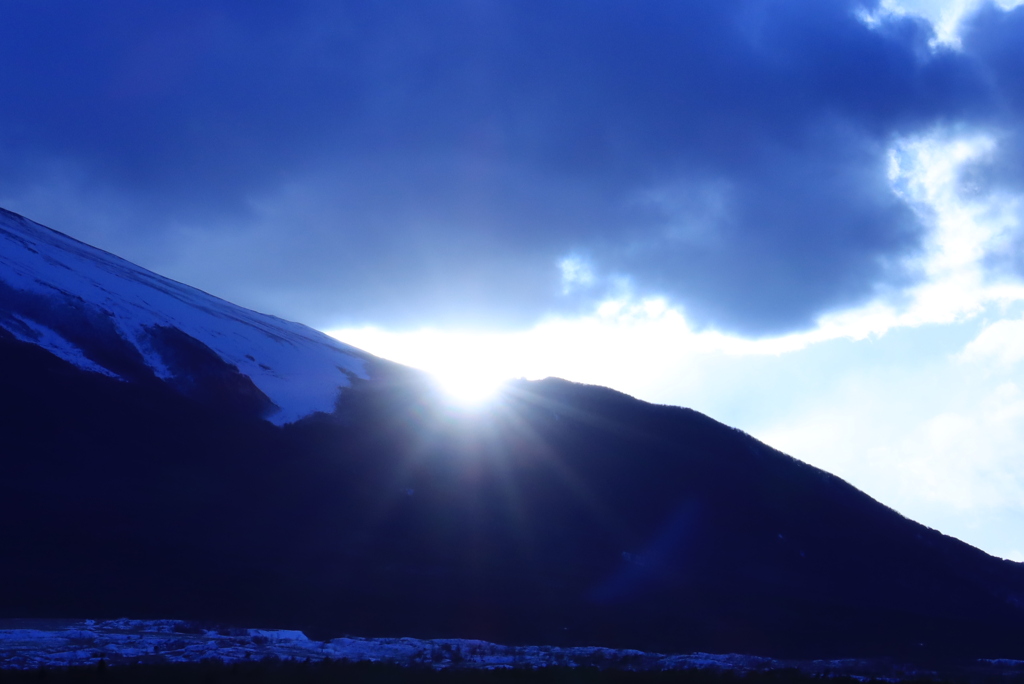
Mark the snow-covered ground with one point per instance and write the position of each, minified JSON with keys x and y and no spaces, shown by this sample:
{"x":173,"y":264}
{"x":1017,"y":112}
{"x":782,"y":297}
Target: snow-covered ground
{"x":300,"y":369}
{"x":31,"y":644}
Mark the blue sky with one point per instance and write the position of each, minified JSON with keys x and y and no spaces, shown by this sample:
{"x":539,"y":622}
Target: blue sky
{"x":801,"y":217}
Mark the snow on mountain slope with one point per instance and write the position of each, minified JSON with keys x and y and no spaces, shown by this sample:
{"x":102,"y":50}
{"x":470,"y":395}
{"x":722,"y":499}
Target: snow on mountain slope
{"x":34,"y":644}
{"x":106,"y":315}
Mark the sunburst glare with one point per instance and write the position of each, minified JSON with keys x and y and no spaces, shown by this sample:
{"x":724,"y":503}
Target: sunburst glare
{"x":469,"y":367}
{"x":469,"y":386}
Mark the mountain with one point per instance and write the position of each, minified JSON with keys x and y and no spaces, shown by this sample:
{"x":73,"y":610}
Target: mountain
{"x":165,"y":454}
{"x":105,"y":315}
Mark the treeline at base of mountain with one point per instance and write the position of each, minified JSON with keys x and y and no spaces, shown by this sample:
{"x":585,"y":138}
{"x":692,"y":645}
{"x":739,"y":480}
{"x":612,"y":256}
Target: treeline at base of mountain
{"x":274,"y":671}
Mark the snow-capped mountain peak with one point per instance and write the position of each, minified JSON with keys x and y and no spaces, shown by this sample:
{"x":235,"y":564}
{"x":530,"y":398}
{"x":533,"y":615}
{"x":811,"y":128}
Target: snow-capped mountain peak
{"x":106,"y":315}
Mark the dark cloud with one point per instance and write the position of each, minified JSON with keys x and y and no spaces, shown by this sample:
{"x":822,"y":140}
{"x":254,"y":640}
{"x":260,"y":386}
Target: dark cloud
{"x":410,"y":163}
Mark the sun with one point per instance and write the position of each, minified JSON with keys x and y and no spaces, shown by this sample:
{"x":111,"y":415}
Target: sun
{"x":468,"y":367}
{"x":468,"y":386}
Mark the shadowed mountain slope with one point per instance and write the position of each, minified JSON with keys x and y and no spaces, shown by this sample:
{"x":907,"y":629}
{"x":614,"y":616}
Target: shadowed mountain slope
{"x":562,"y":514}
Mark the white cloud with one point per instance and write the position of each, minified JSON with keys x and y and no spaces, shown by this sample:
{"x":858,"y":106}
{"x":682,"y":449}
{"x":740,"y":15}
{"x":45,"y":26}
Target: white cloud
{"x":945,"y":16}
{"x":576,"y":273}
{"x":1000,"y":344}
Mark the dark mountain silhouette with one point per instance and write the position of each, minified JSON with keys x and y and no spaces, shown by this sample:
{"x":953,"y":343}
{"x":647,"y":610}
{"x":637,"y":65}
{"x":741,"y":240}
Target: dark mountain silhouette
{"x":562,"y":514}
